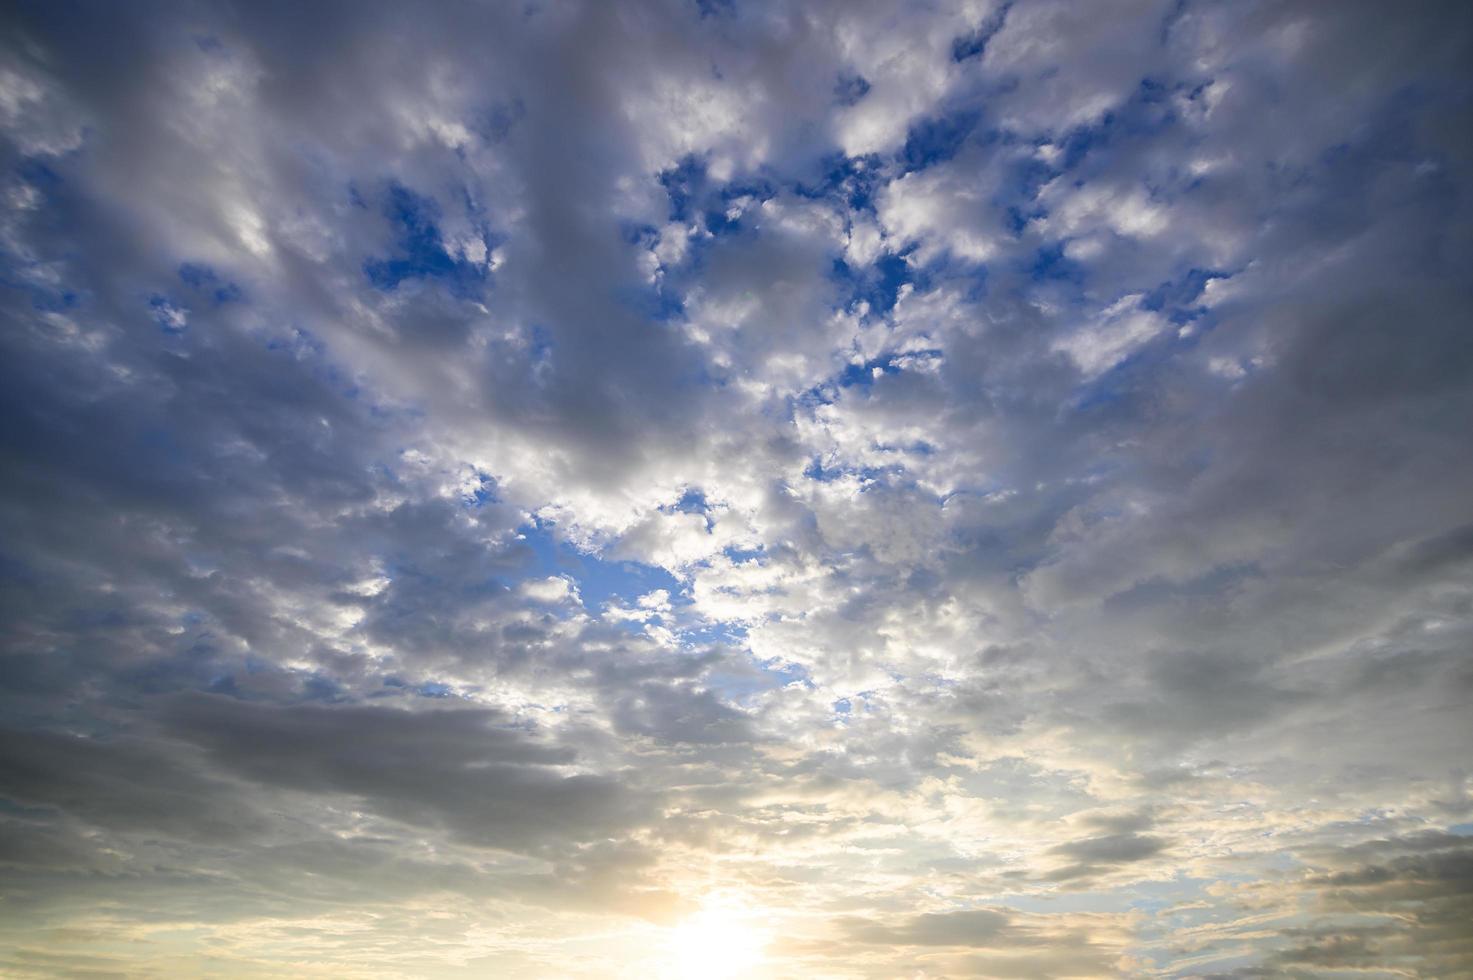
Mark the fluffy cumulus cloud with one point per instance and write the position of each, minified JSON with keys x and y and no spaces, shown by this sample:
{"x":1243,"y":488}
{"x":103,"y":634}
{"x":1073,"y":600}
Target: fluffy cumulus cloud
{"x":692,"y":488}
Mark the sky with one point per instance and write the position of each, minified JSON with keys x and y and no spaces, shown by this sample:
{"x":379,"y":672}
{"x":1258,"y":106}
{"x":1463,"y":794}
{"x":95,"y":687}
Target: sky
{"x":719,"y":488}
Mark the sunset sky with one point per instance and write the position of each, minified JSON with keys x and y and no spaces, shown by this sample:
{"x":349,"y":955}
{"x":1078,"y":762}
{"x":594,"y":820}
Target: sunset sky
{"x":690,"y":489}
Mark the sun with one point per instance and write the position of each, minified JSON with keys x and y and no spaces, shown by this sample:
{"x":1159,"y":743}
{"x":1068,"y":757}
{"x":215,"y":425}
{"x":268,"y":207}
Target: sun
{"x":722,"y":941}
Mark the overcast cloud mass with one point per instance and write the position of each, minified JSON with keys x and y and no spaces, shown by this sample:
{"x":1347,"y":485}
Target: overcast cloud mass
{"x":700,"y":488}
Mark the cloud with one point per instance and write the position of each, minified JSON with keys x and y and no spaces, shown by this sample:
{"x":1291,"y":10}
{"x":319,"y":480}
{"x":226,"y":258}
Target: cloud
{"x":553,"y":589}
{"x":939,"y":479}
{"x":978,"y":927}
{"x":450,"y":769}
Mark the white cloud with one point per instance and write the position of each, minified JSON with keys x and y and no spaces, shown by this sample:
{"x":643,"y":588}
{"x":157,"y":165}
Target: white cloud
{"x":1113,"y":335}
{"x":555,"y":588}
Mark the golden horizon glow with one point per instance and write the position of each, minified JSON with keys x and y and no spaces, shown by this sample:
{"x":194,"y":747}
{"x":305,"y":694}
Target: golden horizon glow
{"x":724,"y":940}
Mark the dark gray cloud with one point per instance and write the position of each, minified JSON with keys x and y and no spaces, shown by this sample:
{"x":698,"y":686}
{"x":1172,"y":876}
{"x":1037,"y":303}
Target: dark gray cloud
{"x":1378,"y":903}
{"x":978,"y":927}
{"x":454,"y":769}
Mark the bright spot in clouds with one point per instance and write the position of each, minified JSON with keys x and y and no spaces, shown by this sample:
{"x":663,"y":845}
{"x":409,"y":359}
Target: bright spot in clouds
{"x":721,"y":941}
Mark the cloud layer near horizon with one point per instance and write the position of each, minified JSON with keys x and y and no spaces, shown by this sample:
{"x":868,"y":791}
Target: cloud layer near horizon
{"x":982,"y":489}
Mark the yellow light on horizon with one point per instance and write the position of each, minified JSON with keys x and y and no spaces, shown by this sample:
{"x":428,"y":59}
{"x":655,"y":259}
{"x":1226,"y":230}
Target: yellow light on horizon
{"x":722,"y":941}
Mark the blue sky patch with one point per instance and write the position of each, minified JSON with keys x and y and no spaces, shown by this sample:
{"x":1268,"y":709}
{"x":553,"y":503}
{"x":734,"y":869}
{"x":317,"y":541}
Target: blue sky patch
{"x":420,"y":252}
{"x":599,"y":581}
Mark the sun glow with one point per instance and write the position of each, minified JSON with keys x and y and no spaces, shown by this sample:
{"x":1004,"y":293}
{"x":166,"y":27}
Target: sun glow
{"x":724,"y":940}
